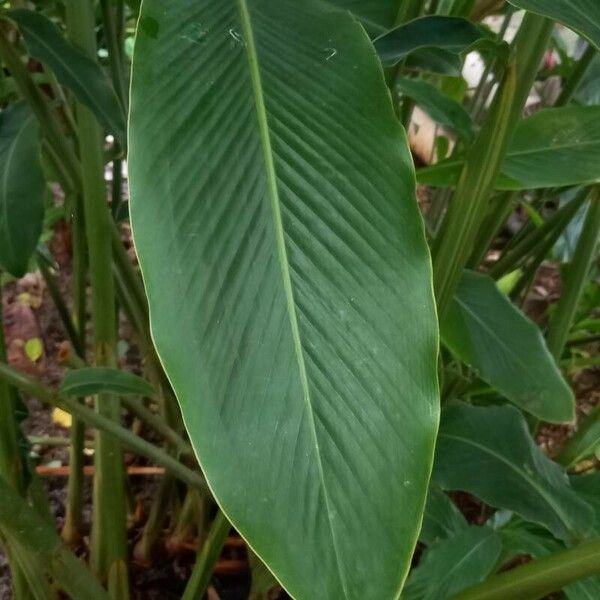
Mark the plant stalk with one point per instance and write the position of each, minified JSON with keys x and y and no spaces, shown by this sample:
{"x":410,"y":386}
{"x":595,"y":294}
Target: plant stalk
{"x":207,"y":558}
{"x":109,"y":538}
{"x":454,"y":243}
{"x":540,"y":577}
{"x":575,"y":278}
{"x":572,"y":83}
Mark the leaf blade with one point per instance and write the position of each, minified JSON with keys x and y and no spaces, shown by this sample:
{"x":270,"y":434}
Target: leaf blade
{"x":507,"y":470}
{"x":485,"y":330}
{"x":72,"y":68}
{"x":22,"y":186}
{"x":236,"y":314}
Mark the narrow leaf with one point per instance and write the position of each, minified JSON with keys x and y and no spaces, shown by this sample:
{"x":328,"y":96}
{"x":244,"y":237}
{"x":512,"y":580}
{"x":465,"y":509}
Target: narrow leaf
{"x":439,"y":106}
{"x":452,"y":34}
{"x":485,"y":330}
{"x":89,"y":381}
{"x":72,"y":68}
{"x":21,"y":188}
{"x":583,"y":16}
{"x":454,"y":564}
{"x":555,"y":147}
{"x":506,"y":469}
{"x":289,"y":282}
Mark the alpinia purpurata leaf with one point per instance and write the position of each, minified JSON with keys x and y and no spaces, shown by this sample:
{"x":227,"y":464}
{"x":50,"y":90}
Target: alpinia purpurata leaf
{"x":489,"y":452}
{"x":583,"y":16}
{"x":555,"y":147}
{"x":485,"y":330}
{"x":274,"y":214}
{"x":73,"y":69}
{"x":21,"y":188}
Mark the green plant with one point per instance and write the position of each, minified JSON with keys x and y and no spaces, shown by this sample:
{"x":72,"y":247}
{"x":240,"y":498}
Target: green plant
{"x":295,"y":383}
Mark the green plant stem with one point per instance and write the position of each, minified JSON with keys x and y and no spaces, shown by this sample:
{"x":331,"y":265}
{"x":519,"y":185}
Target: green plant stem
{"x":71,"y":532}
{"x":60,"y":304}
{"x":109,"y":539}
{"x":454,"y":243}
{"x":409,"y":10}
{"x":93,"y":419}
{"x":207,"y":558}
{"x":540,"y":577}
{"x":522,"y":249}
{"x":579,"y":70}
{"x":38,"y":537}
{"x":158,"y":424}
{"x":502,"y":207}
{"x":575,"y":278}
{"x":110,"y":12}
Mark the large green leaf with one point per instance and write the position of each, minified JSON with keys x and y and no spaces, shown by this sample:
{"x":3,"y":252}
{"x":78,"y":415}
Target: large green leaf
{"x":555,"y":147}
{"x":72,"y":68}
{"x":582,"y":16}
{"x":273,"y":209}
{"x":454,"y":564}
{"x":485,"y":330}
{"x":453,"y":34}
{"x":21,"y":188}
{"x":488,"y":452}
{"x":439,"y":106}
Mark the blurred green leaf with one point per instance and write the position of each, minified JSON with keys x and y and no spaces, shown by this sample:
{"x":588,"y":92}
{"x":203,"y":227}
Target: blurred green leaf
{"x":507,"y":350}
{"x":489,"y":452}
{"x":21,"y":190}
{"x":89,"y":381}
{"x":73,"y":69}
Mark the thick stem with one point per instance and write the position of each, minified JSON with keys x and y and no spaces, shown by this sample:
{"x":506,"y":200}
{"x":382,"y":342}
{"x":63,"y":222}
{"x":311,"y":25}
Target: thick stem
{"x":540,"y":577}
{"x":575,"y":279}
{"x":523,"y":248}
{"x":71,"y":532}
{"x":109,"y":539}
{"x":454,"y":243}
{"x":207,"y":558}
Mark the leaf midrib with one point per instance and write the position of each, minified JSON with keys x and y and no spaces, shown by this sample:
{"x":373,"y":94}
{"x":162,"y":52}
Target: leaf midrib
{"x":265,"y":137}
